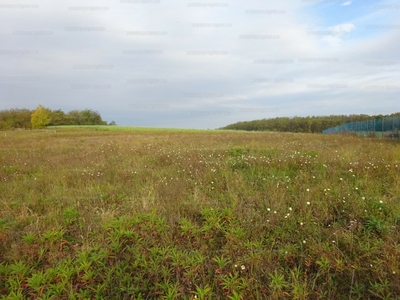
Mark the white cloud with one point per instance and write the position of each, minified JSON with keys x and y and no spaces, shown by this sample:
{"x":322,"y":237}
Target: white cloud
{"x":229,"y":76}
{"x":335,"y":34}
{"x":342,"y":29}
{"x":346,"y":3}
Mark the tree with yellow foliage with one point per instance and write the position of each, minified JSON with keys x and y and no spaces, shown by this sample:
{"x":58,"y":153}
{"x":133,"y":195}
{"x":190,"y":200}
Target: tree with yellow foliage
{"x":40,"y":118}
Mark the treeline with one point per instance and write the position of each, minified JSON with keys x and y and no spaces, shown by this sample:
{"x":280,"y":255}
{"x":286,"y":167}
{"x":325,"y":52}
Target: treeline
{"x":42,"y":117}
{"x":314,"y":124}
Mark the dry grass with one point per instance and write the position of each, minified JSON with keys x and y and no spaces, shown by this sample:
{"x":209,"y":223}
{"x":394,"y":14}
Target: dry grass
{"x":171,"y":214}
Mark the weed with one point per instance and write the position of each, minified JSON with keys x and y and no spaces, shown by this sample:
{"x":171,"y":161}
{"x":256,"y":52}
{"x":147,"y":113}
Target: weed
{"x":135,"y":213}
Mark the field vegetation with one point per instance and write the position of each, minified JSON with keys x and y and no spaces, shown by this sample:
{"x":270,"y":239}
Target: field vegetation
{"x":41,"y":117}
{"x":92,"y":213}
{"x":311,"y":124}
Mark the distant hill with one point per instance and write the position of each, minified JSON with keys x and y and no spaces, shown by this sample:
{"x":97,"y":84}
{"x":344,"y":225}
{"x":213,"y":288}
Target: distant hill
{"x":314,"y":124}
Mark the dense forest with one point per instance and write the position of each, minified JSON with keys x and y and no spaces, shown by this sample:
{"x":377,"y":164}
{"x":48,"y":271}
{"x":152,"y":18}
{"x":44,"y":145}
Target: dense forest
{"x":42,"y":117}
{"x":314,"y":124}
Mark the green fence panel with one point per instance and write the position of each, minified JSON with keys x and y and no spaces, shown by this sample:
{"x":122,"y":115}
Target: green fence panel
{"x":387,"y":126}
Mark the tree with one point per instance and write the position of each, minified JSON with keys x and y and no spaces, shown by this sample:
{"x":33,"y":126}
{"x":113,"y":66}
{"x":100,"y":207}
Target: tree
{"x":57,"y":117}
{"x":90,"y":117}
{"x":74,"y":117}
{"x":40,"y":118}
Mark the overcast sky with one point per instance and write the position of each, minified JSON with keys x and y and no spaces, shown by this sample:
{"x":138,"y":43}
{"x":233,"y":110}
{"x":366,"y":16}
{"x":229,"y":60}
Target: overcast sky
{"x":201,"y":64}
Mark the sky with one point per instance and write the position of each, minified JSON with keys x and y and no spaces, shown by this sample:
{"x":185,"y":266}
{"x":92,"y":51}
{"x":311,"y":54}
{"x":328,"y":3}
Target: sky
{"x":201,"y":64}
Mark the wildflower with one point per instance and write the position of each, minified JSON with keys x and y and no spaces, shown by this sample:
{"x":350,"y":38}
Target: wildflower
{"x":304,"y":241}
{"x":243,"y":267}
{"x":307,"y":190}
{"x":308,"y":203}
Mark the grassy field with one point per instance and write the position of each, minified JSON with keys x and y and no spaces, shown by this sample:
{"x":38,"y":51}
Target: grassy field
{"x":99,"y":213}
{"x":125,"y":128}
